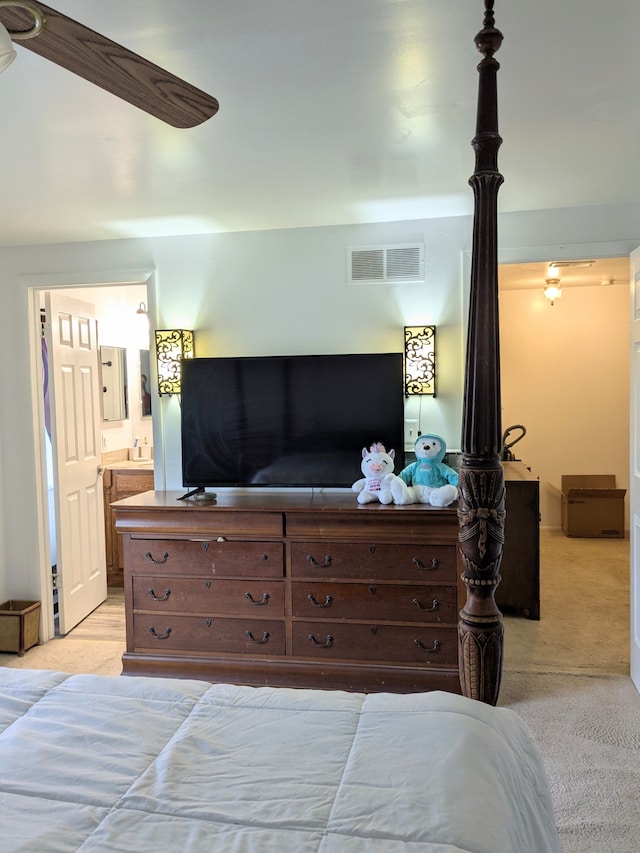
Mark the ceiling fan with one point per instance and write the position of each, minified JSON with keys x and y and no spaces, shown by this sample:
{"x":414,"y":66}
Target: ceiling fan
{"x":108,"y":65}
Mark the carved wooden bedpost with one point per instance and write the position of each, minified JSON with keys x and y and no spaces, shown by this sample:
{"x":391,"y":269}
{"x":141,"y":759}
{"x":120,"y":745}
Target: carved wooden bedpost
{"x":482,"y":492}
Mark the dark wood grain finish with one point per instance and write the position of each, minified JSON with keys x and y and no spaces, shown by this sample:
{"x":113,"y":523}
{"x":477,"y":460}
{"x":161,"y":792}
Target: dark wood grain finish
{"x":374,"y":601}
{"x":162,"y":594}
{"x":208,"y":634}
{"x":417,"y":644}
{"x":377,"y":559}
{"x":118,"y":483}
{"x":210,"y":558}
{"x":519,"y":590}
{"x":481,"y":478}
{"x":112,"y":67}
{"x":297,"y":672}
{"x":392,"y":573}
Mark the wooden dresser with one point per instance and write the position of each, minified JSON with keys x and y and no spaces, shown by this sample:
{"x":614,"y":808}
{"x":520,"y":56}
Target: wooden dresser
{"x":120,"y":481}
{"x":291,"y":590}
{"x":518,"y":593}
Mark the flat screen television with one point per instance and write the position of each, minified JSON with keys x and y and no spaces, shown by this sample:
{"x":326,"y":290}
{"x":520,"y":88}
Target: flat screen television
{"x":288,"y":420}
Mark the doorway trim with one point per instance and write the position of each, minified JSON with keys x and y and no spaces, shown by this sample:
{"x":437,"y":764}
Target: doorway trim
{"x":35,"y":283}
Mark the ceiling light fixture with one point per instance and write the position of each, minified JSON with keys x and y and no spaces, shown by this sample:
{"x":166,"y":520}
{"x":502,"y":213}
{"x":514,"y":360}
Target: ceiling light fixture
{"x":552,"y":289}
{"x":552,"y":271}
{"x":7,"y":51}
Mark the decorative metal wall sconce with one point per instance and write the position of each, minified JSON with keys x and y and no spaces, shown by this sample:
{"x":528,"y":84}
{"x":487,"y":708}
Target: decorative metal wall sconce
{"x":419,"y":360}
{"x":172,"y":345}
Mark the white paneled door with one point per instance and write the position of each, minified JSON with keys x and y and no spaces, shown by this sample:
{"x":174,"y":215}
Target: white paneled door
{"x":635,"y":467}
{"x":74,"y":390}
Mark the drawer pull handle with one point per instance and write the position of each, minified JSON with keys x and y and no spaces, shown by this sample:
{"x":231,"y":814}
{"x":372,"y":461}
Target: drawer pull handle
{"x":205,"y":546}
{"x":155,"y":597}
{"x":265,"y":598}
{"x":434,"y":564}
{"x":325,"y":565}
{"x":164,"y":636}
{"x":434,"y":605}
{"x":208,"y":621}
{"x":434,"y":648}
{"x":327,"y":601}
{"x":207,"y":584}
{"x":265,"y":637}
{"x":159,"y":562}
{"x":327,"y":643}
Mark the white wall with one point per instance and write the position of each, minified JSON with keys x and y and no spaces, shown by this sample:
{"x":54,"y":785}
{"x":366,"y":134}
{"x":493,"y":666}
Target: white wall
{"x":266,"y":293}
{"x":286,"y":292}
{"x":565,"y":376}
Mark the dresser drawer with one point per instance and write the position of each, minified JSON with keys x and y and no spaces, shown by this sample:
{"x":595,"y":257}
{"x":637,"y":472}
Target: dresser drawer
{"x":376,"y":602}
{"x":383,"y":643}
{"x":130,"y":481}
{"x":164,"y":594}
{"x":431,"y":563}
{"x":209,"y":558}
{"x":170,"y":632}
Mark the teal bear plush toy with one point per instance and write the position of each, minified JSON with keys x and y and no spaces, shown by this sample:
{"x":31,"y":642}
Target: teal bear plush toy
{"x":428,"y":480}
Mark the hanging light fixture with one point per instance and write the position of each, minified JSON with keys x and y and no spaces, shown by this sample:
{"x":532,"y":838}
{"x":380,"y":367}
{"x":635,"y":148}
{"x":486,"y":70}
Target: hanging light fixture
{"x":552,"y":289}
{"x":419,"y":360}
{"x":172,"y":345}
{"x":7,"y":51}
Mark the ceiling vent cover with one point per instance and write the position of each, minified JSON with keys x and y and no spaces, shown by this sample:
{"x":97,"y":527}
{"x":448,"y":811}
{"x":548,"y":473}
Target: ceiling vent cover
{"x":386,"y":264}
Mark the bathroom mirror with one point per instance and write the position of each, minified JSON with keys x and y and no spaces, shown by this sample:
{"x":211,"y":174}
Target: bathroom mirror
{"x":113,"y":374}
{"x":145,"y":383}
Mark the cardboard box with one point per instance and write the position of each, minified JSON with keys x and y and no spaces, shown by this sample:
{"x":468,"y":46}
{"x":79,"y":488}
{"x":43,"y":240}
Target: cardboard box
{"x":592,"y":507}
{"x":19,"y":625}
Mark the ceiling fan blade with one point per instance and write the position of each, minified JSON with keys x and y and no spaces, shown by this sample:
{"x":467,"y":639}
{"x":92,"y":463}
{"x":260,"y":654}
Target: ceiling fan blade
{"x":112,"y":67}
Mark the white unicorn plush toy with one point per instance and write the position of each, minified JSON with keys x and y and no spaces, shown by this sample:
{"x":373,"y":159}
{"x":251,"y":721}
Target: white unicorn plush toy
{"x":376,"y":465}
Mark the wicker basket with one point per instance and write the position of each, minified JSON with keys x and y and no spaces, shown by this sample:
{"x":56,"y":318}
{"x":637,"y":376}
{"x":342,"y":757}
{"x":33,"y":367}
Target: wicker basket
{"x":19,"y":625}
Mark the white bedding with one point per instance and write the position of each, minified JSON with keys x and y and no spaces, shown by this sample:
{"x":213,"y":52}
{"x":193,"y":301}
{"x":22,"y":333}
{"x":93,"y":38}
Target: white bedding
{"x":129,"y":764}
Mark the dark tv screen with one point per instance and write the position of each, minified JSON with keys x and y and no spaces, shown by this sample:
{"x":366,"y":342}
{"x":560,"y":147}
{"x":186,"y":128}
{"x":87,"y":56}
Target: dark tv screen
{"x":288,"y":420}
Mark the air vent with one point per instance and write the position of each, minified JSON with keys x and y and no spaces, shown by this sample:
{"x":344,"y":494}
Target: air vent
{"x":399,"y":264}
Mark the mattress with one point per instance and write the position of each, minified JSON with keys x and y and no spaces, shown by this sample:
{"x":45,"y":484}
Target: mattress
{"x":96,"y":763}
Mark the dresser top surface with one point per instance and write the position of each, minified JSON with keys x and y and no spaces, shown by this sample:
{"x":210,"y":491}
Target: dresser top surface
{"x":260,"y":501}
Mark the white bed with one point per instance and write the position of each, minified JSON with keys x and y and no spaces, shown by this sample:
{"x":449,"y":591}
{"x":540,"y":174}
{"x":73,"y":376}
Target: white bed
{"x":96,"y":763}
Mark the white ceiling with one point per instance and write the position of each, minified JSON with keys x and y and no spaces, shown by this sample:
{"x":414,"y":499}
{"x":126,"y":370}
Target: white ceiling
{"x":331,"y":111}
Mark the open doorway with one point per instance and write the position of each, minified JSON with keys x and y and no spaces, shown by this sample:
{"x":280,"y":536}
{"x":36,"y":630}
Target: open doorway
{"x":565,"y":370}
{"x":122,"y":326}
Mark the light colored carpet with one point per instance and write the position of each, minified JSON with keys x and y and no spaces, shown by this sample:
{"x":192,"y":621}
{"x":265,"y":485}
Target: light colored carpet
{"x":584,"y":606}
{"x":588,"y":731}
{"x":566,"y":676}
